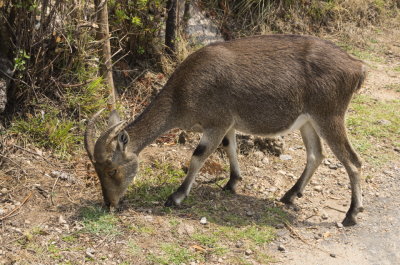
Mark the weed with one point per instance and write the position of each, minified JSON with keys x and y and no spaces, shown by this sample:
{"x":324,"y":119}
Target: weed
{"x":155,"y":184}
{"x":174,"y":254}
{"x":370,"y":120}
{"x":97,"y":221}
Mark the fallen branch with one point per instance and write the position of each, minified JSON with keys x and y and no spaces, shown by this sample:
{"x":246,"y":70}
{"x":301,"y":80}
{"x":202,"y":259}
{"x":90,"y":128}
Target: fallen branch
{"x":17,"y":208}
{"x":336,"y":209}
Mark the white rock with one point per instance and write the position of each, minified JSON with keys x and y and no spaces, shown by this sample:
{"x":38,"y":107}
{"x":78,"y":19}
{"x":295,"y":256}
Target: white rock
{"x":203,"y":220}
{"x":285,"y":157}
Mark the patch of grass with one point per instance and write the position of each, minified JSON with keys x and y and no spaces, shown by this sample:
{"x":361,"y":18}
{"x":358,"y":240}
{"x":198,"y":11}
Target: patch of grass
{"x":98,"y":221}
{"x":69,"y":239}
{"x":397,"y":68}
{"x":154,"y":184}
{"x":254,"y":233}
{"x":211,"y":242}
{"x":174,"y":254}
{"x":143,"y":229}
{"x":49,"y":130}
{"x":395,"y":87}
{"x":369,"y":122}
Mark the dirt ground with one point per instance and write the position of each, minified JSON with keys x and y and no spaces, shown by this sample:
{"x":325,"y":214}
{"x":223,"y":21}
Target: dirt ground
{"x":49,"y":208}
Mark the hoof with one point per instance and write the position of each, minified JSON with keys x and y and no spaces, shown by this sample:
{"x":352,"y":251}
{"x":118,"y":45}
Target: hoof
{"x":229,"y":187}
{"x":287,"y":199}
{"x":349,"y":221}
{"x":175,"y":199}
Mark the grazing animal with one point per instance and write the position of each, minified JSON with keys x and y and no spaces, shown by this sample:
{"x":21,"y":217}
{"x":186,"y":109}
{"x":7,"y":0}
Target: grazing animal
{"x":263,"y":85}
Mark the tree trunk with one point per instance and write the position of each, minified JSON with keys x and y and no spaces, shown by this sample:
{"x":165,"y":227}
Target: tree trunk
{"x":6,"y":67}
{"x":170,"y":29}
{"x":103,"y":35}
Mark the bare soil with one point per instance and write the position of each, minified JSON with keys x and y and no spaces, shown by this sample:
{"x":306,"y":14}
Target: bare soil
{"x":42,"y":212}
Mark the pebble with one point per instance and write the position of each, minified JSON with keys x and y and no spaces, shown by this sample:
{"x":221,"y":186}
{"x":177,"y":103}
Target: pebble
{"x":249,"y":213}
{"x":4,"y":190}
{"x":333,"y":255}
{"x":265,"y":160}
{"x":239,"y":244}
{"x":339,"y":225}
{"x":281,"y":172}
{"x":90,"y":253}
{"x":333,"y":166}
{"x":61,"y":220}
{"x":281,"y":248}
{"x":203,"y":220}
{"x":248,"y":252}
{"x":285,"y":157}
{"x":2,"y":211}
{"x":280,"y":226}
{"x":324,"y":216}
{"x":318,"y":188}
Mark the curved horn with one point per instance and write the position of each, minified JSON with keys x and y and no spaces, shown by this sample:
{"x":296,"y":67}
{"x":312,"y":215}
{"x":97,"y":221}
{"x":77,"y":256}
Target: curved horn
{"x":90,"y":135}
{"x":101,"y":146}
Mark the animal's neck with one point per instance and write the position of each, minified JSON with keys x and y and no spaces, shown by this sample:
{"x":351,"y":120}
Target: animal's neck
{"x":155,"y":120}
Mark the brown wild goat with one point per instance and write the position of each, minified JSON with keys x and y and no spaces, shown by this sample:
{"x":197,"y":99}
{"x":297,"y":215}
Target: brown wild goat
{"x":263,"y":85}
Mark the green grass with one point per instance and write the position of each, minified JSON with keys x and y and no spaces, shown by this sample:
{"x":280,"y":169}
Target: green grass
{"x":369,"y":122}
{"x":154,"y":184}
{"x":98,"y":221}
{"x":172,"y":253}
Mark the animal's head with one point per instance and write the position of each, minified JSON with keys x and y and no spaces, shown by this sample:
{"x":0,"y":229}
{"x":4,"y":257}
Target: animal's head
{"x":115,"y":165}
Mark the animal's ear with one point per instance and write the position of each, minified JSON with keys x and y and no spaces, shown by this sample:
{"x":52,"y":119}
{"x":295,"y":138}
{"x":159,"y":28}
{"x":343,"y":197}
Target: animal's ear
{"x":113,"y":119}
{"x":123,"y":140}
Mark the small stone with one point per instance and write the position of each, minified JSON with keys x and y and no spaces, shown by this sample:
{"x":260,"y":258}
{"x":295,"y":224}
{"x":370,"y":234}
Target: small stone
{"x":292,"y":176}
{"x":2,"y":211}
{"x":339,"y":225}
{"x":4,"y":190}
{"x":203,"y":220}
{"x":259,"y":154}
{"x":281,"y":172}
{"x":324,"y":216}
{"x":220,"y":260}
{"x":281,"y":248}
{"x":239,"y":244}
{"x":27,"y":222}
{"x":327,"y":162}
{"x":248,"y":252}
{"x":384,"y":122}
{"x":90,"y":253}
{"x":280,"y":226}
{"x":61,"y":220}
{"x":249,"y":213}
{"x":285,"y":157}
{"x":265,"y":160}
{"x":333,"y":255}
{"x":318,"y":188}
{"x":333,"y":166}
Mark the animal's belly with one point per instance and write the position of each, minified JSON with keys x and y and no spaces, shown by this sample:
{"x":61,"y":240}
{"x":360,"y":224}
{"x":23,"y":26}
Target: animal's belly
{"x":270,"y":127}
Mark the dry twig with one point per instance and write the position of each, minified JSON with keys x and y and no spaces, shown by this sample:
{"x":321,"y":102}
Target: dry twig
{"x":17,"y":208}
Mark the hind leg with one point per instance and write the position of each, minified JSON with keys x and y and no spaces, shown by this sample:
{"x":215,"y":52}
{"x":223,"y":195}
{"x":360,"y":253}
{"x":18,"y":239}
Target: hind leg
{"x":334,"y":133}
{"x":314,"y":158}
{"x":229,"y":144}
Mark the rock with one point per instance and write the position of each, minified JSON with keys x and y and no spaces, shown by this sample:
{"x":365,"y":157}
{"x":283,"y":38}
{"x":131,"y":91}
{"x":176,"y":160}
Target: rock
{"x":285,"y":157}
{"x":327,"y":162}
{"x":185,"y":228}
{"x":339,"y":225}
{"x":249,"y":213}
{"x":333,"y":255}
{"x":333,"y":166}
{"x":265,"y":160}
{"x":239,"y":244}
{"x":281,"y":248}
{"x":324,"y":216}
{"x":259,"y":154}
{"x":280,"y":226}
{"x":4,"y":190}
{"x":384,"y":122}
{"x":61,"y":220}
{"x":90,"y":253}
{"x":318,"y":188}
{"x":203,"y":220}
{"x":281,"y":172}
{"x":2,"y":211}
{"x":248,"y":252}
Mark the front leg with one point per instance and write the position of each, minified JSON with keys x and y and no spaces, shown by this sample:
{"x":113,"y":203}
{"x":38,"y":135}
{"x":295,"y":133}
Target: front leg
{"x":208,"y":143}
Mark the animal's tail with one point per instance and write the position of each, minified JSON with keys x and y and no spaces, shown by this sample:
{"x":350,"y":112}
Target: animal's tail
{"x":361,"y":77}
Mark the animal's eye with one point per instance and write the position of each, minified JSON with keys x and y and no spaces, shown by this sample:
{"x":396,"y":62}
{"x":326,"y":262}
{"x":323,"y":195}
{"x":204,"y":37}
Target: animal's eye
{"x":111,"y":173}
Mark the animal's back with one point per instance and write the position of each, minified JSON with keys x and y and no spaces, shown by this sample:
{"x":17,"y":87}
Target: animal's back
{"x":265,"y":82}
